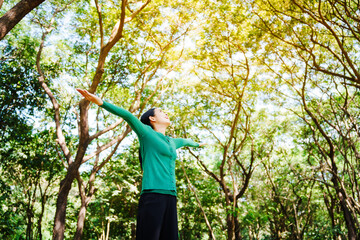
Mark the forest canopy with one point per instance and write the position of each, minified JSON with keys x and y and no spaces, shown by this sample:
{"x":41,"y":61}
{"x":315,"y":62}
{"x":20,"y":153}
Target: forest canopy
{"x":271,"y":86}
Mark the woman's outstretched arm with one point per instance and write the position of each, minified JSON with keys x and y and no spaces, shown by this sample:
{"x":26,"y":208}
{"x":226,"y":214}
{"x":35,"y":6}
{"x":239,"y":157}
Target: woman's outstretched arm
{"x":181,"y":142}
{"x":139,"y":128}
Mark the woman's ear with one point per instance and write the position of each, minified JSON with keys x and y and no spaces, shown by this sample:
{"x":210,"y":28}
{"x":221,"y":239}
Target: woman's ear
{"x":152,"y":119}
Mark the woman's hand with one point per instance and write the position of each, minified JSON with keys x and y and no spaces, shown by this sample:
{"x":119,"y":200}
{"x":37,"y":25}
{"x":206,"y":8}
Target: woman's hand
{"x":91,"y":97}
{"x":202,"y":144}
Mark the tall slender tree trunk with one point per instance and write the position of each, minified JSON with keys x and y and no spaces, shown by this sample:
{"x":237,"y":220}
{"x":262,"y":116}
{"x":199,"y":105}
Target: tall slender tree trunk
{"x":30,"y":211}
{"x":108,"y":230}
{"x":60,"y":215}
{"x":81,"y":220}
{"x":39,"y":231}
{"x":72,"y":171}
{"x":330,"y":205}
{"x":85,"y":200}
{"x":29,"y":215}
{"x":85,"y":195}
{"x":61,"y":203}
{"x":349,"y":220}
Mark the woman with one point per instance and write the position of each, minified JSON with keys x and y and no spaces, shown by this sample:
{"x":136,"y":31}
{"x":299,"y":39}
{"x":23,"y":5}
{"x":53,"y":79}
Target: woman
{"x":157,"y":214}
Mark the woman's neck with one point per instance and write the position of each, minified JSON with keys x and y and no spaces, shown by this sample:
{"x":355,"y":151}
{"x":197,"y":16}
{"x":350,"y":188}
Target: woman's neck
{"x":160,"y":129}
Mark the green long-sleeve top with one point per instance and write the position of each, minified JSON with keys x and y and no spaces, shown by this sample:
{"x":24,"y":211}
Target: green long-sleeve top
{"x":158,"y":153}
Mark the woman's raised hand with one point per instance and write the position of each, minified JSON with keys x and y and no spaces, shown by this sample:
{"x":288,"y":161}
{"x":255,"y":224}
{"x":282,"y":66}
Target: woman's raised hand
{"x":202,"y":144}
{"x":91,"y":97}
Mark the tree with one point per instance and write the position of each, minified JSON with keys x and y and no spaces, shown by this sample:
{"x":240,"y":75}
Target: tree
{"x":272,"y":87}
{"x":319,"y":65}
{"x":144,"y":71}
{"x":28,"y":156}
{"x":85,"y":139}
{"x":19,"y":89}
{"x":223,"y":71}
{"x":224,"y":101}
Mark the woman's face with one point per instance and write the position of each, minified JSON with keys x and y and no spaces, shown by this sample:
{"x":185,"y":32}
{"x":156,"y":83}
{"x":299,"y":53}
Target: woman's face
{"x":160,"y":117}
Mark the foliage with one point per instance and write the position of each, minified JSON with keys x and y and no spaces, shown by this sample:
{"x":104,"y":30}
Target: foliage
{"x":272,"y":87}
{"x":28,"y":160}
{"x":21,"y":95}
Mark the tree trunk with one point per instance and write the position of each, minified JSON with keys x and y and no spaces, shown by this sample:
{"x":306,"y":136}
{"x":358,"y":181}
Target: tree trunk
{"x":133,"y":231}
{"x":39,"y":231}
{"x":233,"y":226}
{"x":108,"y":230}
{"x":237,"y":229}
{"x":330,"y":204}
{"x":29,"y":214}
{"x":30,"y":211}
{"x":230,"y":227}
{"x":15,"y":14}
{"x":72,"y":171}
{"x":85,"y":200}
{"x":350,"y":222}
{"x":60,"y":215}
{"x":81,"y":220}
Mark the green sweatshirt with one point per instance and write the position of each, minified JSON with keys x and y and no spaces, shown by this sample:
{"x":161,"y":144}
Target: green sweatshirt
{"x":158,"y":153}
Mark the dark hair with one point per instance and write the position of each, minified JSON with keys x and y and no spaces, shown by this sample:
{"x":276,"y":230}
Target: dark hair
{"x":145,"y":119}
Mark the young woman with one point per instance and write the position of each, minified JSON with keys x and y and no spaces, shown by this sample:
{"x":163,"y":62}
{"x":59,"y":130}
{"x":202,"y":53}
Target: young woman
{"x":157,"y":214}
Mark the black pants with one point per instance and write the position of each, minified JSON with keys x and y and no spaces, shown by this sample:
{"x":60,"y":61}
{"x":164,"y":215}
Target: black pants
{"x":157,"y":217}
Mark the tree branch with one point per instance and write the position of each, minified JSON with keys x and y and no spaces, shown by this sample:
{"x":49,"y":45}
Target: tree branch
{"x":16,"y":14}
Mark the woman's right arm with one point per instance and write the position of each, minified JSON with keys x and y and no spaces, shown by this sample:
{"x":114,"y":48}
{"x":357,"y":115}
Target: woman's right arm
{"x":135,"y":124}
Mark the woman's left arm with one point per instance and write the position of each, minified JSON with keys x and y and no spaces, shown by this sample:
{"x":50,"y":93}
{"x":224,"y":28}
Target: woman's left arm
{"x":183,"y":142}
